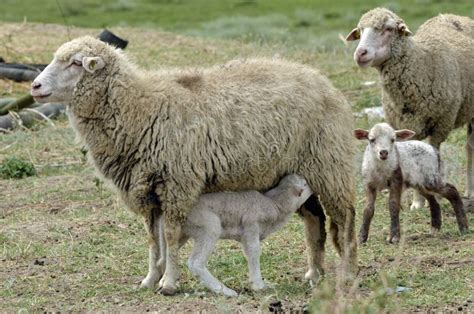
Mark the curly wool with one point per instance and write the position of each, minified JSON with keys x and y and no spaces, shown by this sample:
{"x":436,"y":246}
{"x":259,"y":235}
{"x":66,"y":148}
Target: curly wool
{"x":427,"y":84}
{"x":166,"y":137}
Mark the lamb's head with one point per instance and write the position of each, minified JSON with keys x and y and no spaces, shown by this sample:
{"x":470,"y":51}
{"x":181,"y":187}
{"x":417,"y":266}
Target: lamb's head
{"x":72,"y":61}
{"x":382,"y":139}
{"x":297,"y":187}
{"x":377,"y":30}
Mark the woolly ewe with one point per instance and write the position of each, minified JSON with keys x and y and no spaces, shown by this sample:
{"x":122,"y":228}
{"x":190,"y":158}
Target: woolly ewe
{"x":164,"y":138}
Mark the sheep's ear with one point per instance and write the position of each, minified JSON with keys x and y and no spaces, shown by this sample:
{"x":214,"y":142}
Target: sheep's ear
{"x":404,"y":134}
{"x":361,"y":134}
{"x":403,"y":30}
{"x":92,"y":64}
{"x":353,"y":35}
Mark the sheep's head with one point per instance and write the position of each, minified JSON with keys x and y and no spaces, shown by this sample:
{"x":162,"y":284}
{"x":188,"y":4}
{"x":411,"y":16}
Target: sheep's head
{"x":377,"y":30}
{"x":71,"y":62}
{"x":298,"y":187}
{"x":382,"y":139}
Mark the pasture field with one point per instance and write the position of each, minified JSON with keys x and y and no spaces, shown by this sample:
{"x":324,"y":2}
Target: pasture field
{"x":67,"y":243}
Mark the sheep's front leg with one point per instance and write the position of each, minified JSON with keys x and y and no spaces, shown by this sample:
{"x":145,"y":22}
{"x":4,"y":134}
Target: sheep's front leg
{"x":251,"y":247}
{"x":172,"y":232}
{"x":157,"y":251}
{"x":371,"y":195}
{"x":315,"y":236}
{"x":396,"y":186}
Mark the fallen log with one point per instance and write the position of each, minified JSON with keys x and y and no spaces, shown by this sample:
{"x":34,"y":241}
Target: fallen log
{"x":18,"y":75}
{"x":28,"y":117}
{"x":18,"y":104}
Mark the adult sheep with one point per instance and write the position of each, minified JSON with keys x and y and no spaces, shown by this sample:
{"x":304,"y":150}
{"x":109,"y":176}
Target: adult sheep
{"x":427,"y":79}
{"x":164,"y":138}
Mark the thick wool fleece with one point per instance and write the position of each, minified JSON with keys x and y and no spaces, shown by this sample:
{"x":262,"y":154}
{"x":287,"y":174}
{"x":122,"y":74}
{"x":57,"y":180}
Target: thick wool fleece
{"x":428,"y":83}
{"x":166,"y":137}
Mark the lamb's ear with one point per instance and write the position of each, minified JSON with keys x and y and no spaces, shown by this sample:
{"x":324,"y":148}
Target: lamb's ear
{"x":403,"y":30}
{"x":404,"y":134}
{"x":92,"y":64}
{"x":353,"y":35}
{"x":361,"y":134}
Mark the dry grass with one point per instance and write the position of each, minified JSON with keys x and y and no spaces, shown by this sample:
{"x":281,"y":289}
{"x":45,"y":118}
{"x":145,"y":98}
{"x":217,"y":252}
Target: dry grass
{"x":68,"y":244}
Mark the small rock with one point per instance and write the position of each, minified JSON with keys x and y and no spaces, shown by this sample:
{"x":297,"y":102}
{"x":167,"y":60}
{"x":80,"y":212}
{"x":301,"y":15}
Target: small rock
{"x":38,"y":262}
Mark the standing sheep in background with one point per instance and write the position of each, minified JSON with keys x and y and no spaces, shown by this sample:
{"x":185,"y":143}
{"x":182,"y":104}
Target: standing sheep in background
{"x":247,"y":217}
{"x":427,"y":80}
{"x":398,"y":165}
{"x":164,"y":138}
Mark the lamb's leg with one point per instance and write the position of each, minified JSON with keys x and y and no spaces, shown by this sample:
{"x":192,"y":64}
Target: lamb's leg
{"x":396,"y":186}
{"x":418,"y":201}
{"x":452,"y":195}
{"x":156,"y":249}
{"x":435,"y":212}
{"x":315,"y":232}
{"x":371,"y":195}
{"x":205,"y":240}
{"x":251,"y":247}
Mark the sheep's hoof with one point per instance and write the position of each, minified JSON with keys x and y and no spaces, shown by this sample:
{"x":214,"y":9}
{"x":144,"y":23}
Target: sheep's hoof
{"x":256,"y":286}
{"x":468,"y":204}
{"x":362,"y":240}
{"x":169,"y":291}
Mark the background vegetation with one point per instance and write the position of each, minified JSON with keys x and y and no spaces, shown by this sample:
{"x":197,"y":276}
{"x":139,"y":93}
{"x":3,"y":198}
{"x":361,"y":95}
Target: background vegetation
{"x":67,"y":243}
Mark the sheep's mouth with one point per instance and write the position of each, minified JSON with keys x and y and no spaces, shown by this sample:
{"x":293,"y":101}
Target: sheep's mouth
{"x":364,"y":64}
{"x":41,"y":97}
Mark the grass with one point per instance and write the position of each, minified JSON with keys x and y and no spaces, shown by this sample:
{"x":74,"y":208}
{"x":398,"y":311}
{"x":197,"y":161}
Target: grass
{"x":68,"y":244}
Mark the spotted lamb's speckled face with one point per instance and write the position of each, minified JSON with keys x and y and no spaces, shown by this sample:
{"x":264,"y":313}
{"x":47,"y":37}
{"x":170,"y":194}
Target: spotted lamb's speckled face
{"x":57,"y":81}
{"x":377,"y":30}
{"x":382,"y":139}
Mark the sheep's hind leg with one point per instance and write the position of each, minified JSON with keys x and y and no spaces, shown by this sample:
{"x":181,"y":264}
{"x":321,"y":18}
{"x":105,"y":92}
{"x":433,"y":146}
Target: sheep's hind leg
{"x":156,"y":249}
{"x":452,"y":195}
{"x":315,"y":234}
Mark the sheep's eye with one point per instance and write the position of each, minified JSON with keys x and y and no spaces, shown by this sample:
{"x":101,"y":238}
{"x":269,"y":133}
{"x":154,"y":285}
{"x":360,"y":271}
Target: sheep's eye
{"x":372,"y":140}
{"x":77,"y":62}
{"x":389,"y":29}
{"x":392,"y":140}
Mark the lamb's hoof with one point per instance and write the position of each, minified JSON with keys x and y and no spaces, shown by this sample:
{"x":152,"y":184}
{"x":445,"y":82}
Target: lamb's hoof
{"x":229,"y":292}
{"x":313,"y":277}
{"x":417,"y":205}
{"x":256,"y":286}
{"x":362,"y":240}
{"x":393,"y":240}
{"x":468,"y":204}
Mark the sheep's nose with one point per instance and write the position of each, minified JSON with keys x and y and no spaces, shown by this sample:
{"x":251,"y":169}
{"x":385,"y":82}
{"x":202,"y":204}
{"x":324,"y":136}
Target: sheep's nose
{"x":383,"y":154}
{"x":362,"y":52}
{"x":35,"y":85}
